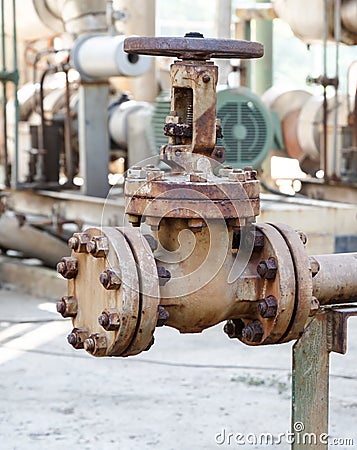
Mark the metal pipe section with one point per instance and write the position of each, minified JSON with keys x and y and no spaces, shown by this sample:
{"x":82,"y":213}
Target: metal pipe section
{"x":81,"y":17}
{"x":264,"y":67}
{"x":102,"y":56}
{"x":310,"y":27}
{"x":334,"y":278}
{"x":140,"y":19}
{"x":349,"y":14}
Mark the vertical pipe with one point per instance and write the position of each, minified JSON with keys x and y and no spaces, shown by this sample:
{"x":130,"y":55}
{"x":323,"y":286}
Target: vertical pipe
{"x":4,"y":95}
{"x":337,"y":43}
{"x":324,"y":148}
{"x":246,"y":72}
{"x":15,"y":161}
{"x":264,"y":66}
{"x":68,"y":134}
{"x":140,"y":20}
{"x":223,"y":30}
{"x":93,"y":138}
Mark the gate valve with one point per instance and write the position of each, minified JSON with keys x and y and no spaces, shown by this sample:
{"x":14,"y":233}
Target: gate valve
{"x":206,"y":261}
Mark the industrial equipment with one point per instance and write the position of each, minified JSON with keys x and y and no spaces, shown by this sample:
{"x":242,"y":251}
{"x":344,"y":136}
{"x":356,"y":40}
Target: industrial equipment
{"x":204,"y":243}
{"x":205,"y":259}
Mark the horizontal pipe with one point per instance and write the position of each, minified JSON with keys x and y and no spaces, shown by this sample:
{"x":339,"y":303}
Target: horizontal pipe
{"x":335,"y":278}
{"x":102,"y":56}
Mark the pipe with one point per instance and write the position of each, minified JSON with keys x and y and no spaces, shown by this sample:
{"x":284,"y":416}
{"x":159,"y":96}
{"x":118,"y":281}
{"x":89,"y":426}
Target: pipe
{"x":337,"y":43}
{"x":70,"y":165}
{"x":349,"y":14}
{"x":81,"y":17}
{"x":15,"y":162}
{"x":140,"y":19}
{"x":325,"y":111}
{"x":103,"y":56}
{"x":334,"y":278}
{"x":4,"y":95}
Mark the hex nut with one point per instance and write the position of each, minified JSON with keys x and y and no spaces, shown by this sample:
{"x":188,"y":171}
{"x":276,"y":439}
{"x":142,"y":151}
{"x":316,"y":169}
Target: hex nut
{"x":77,"y":337}
{"x":268,"y":307}
{"x":224,"y":173}
{"x":267,"y":268}
{"x":153,"y":244}
{"x":134,"y":220}
{"x":163,"y":316}
{"x":253,"y":332}
{"x":78,"y":242}
{"x":251,"y":175}
{"x":109,"y":319}
{"x":155,"y":174}
{"x":110,"y":279}
{"x":136,"y":172}
{"x":164,"y":275}
{"x":237,"y":175}
{"x":68,"y":267}
{"x":96,"y":344}
{"x":196,"y":225}
{"x":302,"y":236}
{"x":197,"y":177}
{"x":98,"y":246}
{"x":233,"y":328}
{"x":67,"y":306}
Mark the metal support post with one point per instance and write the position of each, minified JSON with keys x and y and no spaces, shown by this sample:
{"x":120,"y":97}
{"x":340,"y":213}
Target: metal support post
{"x":93,"y":138}
{"x":326,"y":333}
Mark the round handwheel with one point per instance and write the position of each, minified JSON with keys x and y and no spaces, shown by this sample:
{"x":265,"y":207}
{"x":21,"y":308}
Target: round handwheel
{"x":193,"y":47}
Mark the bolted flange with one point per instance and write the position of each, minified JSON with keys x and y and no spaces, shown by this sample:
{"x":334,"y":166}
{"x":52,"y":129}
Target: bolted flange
{"x":68,"y":267}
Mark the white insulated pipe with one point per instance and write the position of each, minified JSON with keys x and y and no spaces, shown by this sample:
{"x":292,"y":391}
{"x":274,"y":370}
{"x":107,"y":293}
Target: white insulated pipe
{"x":102,"y":56}
{"x":39,"y":19}
{"x":306,"y":19}
{"x":139,"y":20}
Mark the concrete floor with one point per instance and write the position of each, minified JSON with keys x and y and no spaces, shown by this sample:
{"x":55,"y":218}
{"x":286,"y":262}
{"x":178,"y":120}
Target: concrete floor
{"x":179,"y":395}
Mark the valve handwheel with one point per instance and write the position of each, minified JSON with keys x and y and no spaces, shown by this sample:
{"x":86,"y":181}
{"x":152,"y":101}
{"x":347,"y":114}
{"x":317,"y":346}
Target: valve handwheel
{"x":194,"y":46}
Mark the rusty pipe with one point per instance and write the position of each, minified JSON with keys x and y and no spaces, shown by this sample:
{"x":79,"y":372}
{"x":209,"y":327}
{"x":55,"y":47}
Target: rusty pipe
{"x":334,"y":278}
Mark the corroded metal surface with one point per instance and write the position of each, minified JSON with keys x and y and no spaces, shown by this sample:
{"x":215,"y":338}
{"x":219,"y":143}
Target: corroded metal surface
{"x":193,"y":48}
{"x":303,"y":281}
{"x":93,"y":298}
{"x":205,"y":262}
{"x":149,"y":291}
{"x":326,"y":333}
{"x":335,"y":278}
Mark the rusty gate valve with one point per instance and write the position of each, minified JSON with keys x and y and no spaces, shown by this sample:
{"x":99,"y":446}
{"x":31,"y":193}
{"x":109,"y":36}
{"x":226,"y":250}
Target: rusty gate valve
{"x":192,"y":126}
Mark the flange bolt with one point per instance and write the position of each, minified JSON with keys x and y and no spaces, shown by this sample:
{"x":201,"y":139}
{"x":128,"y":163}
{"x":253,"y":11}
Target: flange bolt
{"x":268,"y":307}
{"x":253,"y":332}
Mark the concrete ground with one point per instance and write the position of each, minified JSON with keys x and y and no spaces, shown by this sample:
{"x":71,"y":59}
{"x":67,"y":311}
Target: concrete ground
{"x":187,"y":392}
